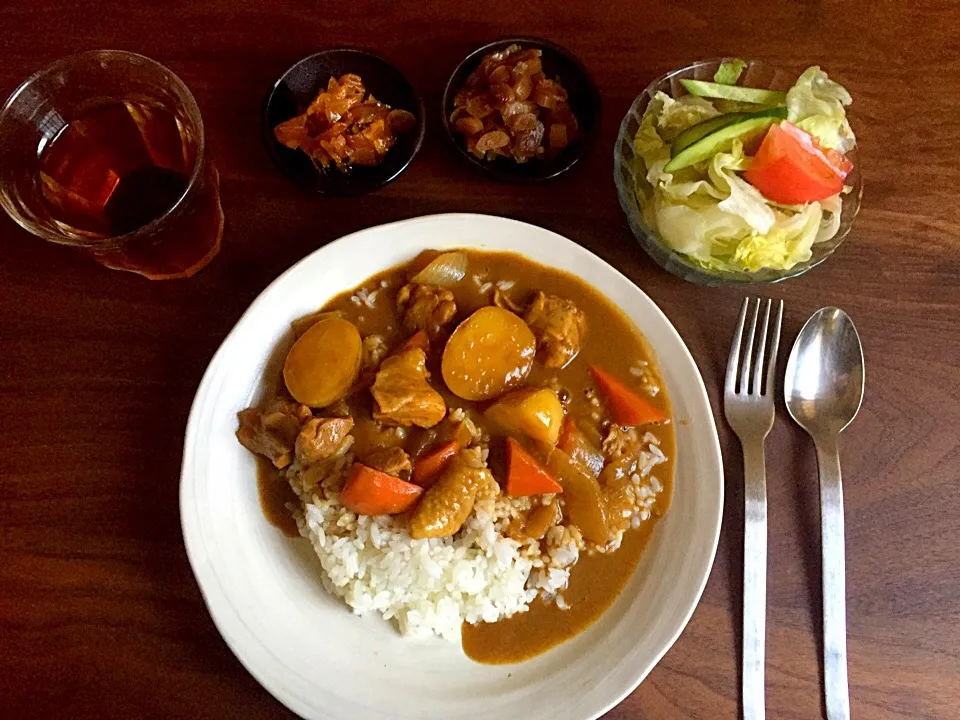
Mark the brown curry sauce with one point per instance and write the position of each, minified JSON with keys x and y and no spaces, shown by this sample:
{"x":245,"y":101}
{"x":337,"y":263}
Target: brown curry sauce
{"x":597,"y":579}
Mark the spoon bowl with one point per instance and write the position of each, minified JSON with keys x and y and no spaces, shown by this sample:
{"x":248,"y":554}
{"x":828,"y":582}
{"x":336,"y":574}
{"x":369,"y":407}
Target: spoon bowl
{"x":823,"y":385}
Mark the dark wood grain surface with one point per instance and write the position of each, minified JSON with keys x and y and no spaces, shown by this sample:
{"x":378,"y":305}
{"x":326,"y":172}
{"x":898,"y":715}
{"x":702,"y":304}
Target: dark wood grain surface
{"x":100,"y":616}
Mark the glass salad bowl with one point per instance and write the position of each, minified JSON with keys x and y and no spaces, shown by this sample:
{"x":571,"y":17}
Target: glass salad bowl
{"x":629,"y":175}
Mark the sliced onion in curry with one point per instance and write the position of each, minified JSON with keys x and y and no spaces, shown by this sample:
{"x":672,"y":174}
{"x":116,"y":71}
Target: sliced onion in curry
{"x":444,"y":270}
{"x":584,"y":503}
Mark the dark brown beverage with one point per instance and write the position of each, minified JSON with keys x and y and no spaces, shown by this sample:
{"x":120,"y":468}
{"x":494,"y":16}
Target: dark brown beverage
{"x":117,"y":168}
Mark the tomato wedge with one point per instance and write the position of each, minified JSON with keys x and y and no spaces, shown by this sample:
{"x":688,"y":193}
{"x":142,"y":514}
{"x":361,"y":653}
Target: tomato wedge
{"x":790,"y":167}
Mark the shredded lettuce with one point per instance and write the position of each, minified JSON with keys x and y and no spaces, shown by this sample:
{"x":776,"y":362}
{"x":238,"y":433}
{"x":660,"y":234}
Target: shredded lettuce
{"x":729,"y":72}
{"x":815,"y":103}
{"x":708,"y":212}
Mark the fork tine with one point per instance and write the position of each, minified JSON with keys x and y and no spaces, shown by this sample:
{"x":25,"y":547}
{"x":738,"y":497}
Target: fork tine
{"x":730,"y":386}
{"x":774,"y":345}
{"x":758,"y":366}
{"x":748,"y":351}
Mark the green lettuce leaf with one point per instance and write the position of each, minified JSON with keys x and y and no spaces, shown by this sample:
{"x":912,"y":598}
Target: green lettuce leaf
{"x":701,"y":231}
{"x":729,"y":72}
{"x":816,"y":104}
{"x":830,"y":224}
{"x":789,"y":241}
{"x":707,"y":211}
{"x":647,"y":143}
{"x":741,"y":198}
{"x":675,"y":116}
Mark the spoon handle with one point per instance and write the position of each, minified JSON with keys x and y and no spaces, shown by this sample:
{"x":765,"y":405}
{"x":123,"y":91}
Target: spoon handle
{"x":834,"y":586}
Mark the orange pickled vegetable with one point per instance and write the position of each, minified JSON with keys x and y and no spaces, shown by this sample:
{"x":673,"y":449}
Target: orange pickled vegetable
{"x":525,"y":476}
{"x":429,"y":467}
{"x":626,"y":407}
{"x":371,"y":492}
{"x":341,"y":129}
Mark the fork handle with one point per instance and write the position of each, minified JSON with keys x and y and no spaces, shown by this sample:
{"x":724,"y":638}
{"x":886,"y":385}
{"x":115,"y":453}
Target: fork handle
{"x":834,"y":585}
{"x":754,"y":579}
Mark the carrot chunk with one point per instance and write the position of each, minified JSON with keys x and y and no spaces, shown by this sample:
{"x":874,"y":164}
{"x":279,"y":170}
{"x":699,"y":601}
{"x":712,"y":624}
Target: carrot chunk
{"x":429,"y":467}
{"x":419,"y":339}
{"x":569,"y":435}
{"x":371,"y":492}
{"x":625,"y":405}
{"x":525,"y":476}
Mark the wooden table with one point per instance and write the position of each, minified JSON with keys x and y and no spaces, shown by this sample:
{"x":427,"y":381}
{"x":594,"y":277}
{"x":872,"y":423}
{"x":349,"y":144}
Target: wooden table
{"x":100,"y":616}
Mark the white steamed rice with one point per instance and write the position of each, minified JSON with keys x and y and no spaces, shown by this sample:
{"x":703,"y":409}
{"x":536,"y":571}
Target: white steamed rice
{"x":431,"y":586}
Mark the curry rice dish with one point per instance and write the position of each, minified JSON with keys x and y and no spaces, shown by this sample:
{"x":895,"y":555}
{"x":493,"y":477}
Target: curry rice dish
{"x":468,"y":450}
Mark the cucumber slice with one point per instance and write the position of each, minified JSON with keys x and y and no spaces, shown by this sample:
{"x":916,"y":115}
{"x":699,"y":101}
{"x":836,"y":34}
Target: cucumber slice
{"x":734,"y":92}
{"x":719,"y":140}
{"x":689,"y":136}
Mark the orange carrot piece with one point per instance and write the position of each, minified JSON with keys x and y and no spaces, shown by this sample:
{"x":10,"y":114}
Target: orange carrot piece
{"x":525,"y":476}
{"x":568,"y":435}
{"x":625,"y":405}
{"x":419,"y":339}
{"x":430,"y":466}
{"x":371,"y":492}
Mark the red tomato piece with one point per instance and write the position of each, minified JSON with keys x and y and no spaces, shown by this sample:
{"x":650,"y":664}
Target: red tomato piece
{"x":790,"y":167}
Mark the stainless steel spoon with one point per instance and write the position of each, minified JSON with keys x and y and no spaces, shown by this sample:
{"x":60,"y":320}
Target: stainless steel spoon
{"x":823,"y":389}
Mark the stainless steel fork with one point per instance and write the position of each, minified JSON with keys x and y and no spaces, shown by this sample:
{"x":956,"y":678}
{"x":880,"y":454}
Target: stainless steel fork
{"x":748,"y":405}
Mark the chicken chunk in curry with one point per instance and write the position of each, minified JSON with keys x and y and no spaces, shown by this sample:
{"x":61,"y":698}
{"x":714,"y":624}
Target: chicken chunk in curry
{"x":402,"y":394}
{"x":390,"y":460}
{"x":448,"y":503}
{"x":559,"y":326}
{"x":272,"y":430}
{"x":426,"y":307}
{"x":322,"y":438}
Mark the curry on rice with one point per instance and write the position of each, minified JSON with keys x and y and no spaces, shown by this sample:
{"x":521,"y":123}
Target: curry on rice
{"x":478,"y":447}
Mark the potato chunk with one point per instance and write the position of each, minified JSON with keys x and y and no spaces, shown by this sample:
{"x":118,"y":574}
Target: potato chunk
{"x":488,"y":354}
{"x":534,"y":412}
{"x":322,"y":365}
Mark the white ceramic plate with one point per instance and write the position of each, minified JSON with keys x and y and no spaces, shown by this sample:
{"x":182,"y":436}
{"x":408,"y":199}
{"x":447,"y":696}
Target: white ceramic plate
{"x":304,"y":646}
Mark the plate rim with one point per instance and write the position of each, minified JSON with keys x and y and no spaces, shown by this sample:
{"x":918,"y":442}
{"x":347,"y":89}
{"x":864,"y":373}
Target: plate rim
{"x":197,"y":556}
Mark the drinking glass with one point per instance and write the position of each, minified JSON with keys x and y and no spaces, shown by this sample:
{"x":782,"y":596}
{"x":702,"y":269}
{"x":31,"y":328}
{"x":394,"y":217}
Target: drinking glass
{"x":104,"y":151}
